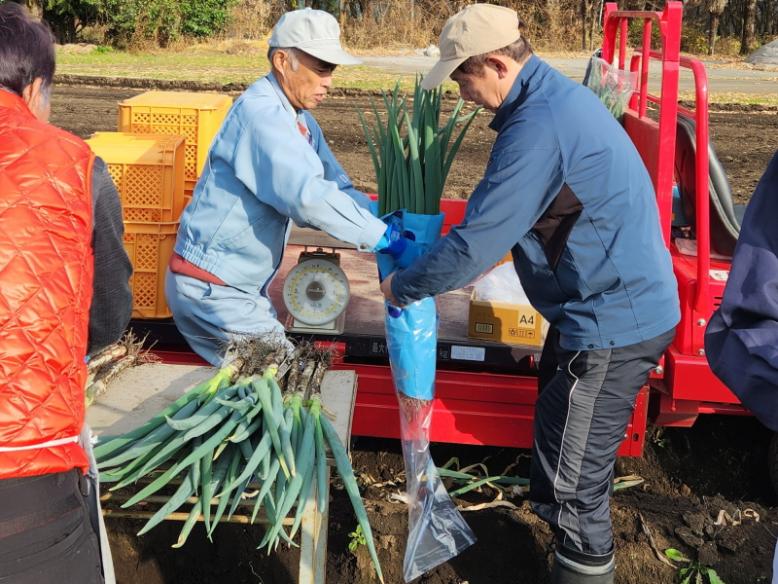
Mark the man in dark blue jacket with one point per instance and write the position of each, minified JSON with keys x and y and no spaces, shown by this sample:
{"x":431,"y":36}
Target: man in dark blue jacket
{"x":742,"y":337}
{"x":566,"y":191}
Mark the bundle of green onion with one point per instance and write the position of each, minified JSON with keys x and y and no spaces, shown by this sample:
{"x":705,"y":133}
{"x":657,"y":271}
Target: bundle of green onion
{"x":236,"y":430}
{"x":614,"y":87}
{"x":411,"y":152}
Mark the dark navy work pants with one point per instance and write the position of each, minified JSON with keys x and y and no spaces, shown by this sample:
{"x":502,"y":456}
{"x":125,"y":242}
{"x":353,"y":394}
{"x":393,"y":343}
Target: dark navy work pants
{"x":585,"y":402}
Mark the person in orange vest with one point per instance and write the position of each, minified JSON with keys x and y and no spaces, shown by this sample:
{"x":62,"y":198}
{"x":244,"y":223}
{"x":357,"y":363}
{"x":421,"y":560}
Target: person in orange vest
{"x":60,"y":224}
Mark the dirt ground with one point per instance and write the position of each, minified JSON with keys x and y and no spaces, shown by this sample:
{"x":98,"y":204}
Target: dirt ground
{"x":691,"y":476}
{"x":744,"y":138}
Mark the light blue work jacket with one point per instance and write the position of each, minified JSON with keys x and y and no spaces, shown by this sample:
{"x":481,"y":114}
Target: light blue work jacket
{"x":261,"y":172}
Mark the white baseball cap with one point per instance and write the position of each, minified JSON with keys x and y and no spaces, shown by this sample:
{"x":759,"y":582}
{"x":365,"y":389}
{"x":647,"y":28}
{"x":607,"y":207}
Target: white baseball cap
{"x":315,"y":32}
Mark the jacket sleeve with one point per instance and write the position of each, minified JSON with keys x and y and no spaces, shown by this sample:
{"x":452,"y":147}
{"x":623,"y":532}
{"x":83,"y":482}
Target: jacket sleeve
{"x":518,"y":186}
{"x":111,"y":300}
{"x":741,"y":341}
{"x":277,"y":164}
{"x":332,"y":169}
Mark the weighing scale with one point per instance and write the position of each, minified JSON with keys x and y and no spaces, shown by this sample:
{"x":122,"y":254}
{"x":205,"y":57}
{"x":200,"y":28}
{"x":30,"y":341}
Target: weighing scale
{"x":316,"y":294}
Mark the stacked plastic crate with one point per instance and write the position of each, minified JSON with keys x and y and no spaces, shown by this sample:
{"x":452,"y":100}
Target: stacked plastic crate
{"x":155,"y":160}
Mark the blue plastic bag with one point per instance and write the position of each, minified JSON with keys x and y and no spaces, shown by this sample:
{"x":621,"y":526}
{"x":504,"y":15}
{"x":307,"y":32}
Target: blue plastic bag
{"x":412,"y":341}
{"x":412,"y":334}
{"x":436,"y":530}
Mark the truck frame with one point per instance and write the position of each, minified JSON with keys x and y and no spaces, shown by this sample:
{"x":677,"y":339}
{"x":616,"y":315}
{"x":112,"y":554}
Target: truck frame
{"x":486,"y":392}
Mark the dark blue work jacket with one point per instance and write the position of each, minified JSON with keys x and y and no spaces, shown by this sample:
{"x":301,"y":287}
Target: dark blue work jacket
{"x":567,"y":193}
{"x":742,"y":337}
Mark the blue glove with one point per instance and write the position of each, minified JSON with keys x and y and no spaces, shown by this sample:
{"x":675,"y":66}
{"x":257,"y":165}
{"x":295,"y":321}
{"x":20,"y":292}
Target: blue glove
{"x":401,"y":246}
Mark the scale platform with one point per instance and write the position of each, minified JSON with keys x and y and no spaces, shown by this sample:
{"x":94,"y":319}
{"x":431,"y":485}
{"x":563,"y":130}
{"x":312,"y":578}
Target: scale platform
{"x":363,"y":319}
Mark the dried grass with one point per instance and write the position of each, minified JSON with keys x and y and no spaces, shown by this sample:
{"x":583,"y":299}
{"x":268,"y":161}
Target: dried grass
{"x":396,"y":24}
{"x":252,"y":19}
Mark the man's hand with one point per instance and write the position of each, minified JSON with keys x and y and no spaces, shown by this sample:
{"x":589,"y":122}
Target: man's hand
{"x":405,"y":251}
{"x":386,"y":289}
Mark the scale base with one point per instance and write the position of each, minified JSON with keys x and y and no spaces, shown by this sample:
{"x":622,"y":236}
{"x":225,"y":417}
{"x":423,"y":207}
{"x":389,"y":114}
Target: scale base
{"x":334,"y":327}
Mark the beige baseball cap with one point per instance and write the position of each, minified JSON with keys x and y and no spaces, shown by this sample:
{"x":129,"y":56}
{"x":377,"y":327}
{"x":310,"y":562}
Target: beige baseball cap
{"x":315,"y":32}
{"x":474,"y":30}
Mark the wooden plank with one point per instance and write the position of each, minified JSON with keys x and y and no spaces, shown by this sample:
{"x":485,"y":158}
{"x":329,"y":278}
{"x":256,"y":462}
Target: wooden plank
{"x":321,"y":534}
{"x":338,"y":395}
{"x":308,"y":567}
{"x":314,"y":238}
{"x":141,"y":392}
{"x":111,"y":513}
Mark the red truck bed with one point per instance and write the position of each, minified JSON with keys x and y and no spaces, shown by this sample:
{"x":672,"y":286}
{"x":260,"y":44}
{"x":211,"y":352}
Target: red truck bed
{"x":485,"y":392}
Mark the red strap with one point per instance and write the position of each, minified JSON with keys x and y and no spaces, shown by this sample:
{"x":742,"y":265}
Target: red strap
{"x":178,"y":265}
{"x":304,"y":131}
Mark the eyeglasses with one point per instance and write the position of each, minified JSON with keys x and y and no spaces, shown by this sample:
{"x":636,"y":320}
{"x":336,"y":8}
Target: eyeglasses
{"x":316,"y":65}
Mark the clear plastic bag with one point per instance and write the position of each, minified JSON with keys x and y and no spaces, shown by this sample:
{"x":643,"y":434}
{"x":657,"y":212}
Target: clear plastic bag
{"x":612,"y":85}
{"x":501,"y":284}
{"x":436,"y":530}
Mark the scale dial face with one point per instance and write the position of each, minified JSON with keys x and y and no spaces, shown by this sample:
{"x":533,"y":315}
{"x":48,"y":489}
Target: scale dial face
{"x":316,"y":291}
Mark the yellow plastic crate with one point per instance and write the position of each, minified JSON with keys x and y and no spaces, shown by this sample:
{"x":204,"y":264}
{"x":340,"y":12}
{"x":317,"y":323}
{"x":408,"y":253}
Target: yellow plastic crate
{"x":149,"y":246}
{"x":148,"y":171}
{"x":196,"y":116}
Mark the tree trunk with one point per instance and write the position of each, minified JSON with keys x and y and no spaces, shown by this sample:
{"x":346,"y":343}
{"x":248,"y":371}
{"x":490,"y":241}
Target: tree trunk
{"x":748,"y":37}
{"x":35,"y":7}
{"x":553,"y":13}
{"x":584,"y":14}
{"x":594,"y":22}
{"x":732,"y":19}
{"x":712,"y":30}
{"x":774,"y":20}
{"x":769,"y":19}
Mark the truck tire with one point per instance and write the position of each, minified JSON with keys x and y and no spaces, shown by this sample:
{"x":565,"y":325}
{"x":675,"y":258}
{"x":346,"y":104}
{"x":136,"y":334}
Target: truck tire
{"x":772,"y":461}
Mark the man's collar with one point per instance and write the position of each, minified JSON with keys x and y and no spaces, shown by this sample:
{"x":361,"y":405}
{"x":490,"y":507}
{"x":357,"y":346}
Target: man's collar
{"x":9,"y":99}
{"x":517,"y":94}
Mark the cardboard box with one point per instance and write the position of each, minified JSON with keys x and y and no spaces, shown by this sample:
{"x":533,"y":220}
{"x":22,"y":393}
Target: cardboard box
{"x":508,"y":258}
{"x":502,"y":322}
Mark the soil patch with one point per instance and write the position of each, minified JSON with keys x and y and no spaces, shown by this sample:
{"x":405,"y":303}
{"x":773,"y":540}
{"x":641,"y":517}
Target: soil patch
{"x":705,"y":493}
{"x":745,"y":137}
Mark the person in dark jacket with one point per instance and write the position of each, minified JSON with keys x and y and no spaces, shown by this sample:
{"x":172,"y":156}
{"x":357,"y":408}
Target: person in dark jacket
{"x":64,"y":294}
{"x":741,"y":341}
{"x":567,"y":193}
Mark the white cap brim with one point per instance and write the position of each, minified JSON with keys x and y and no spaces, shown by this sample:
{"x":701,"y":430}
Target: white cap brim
{"x":441,"y":71}
{"x":329,"y":52}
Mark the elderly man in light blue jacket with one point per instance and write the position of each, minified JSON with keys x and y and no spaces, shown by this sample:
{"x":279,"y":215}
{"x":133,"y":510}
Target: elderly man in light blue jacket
{"x":268,"y":164}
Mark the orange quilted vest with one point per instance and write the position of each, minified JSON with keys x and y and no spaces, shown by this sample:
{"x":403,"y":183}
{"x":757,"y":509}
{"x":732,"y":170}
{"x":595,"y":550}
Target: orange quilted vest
{"x":46,"y":270}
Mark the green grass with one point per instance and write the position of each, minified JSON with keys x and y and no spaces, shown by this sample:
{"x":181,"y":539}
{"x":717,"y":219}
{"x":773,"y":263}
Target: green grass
{"x":738,"y":98}
{"x":206,"y":65}
{"x":214,"y":64}
{"x":195,"y":65}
